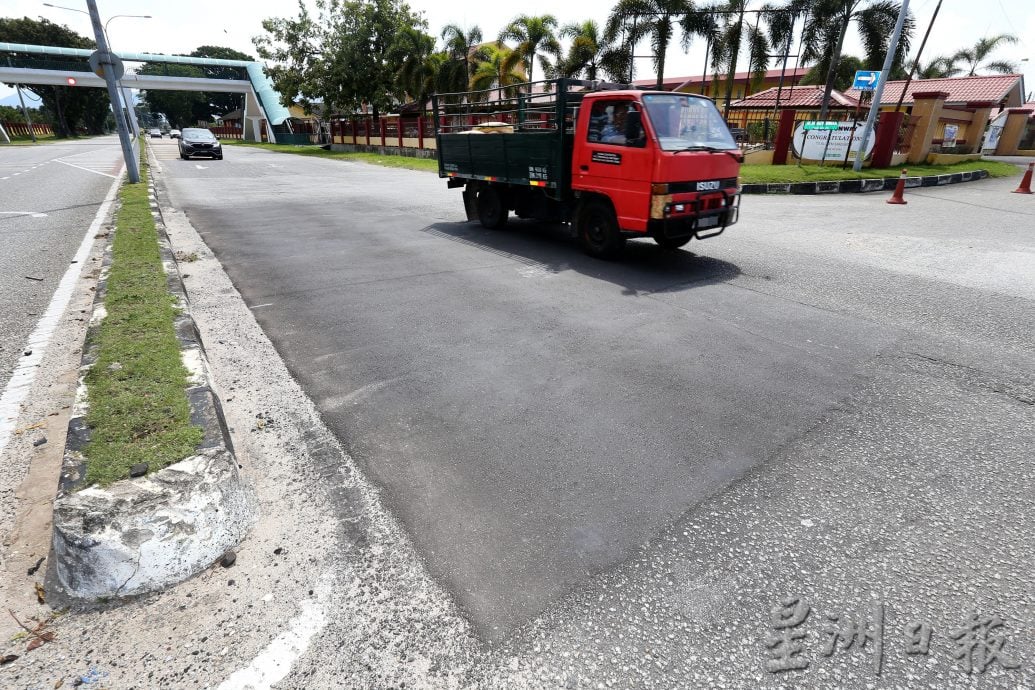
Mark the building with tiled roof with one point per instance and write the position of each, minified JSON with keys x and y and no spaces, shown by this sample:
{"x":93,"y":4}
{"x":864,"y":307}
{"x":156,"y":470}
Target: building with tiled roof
{"x":1006,"y":90}
{"x":794,"y":97}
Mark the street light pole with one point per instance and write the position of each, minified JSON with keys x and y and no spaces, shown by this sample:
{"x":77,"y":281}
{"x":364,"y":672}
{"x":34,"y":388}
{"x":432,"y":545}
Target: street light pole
{"x":113,"y":92}
{"x":127,"y":97}
{"x":124,"y":93}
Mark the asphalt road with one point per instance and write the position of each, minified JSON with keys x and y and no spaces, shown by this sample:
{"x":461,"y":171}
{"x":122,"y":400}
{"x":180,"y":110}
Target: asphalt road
{"x":619,"y":469}
{"x":49,"y":195}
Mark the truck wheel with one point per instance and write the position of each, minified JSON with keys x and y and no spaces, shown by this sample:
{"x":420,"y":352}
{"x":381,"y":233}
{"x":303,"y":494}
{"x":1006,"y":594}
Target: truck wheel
{"x":491,"y":212}
{"x":598,"y":231}
{"x":669,"y":243}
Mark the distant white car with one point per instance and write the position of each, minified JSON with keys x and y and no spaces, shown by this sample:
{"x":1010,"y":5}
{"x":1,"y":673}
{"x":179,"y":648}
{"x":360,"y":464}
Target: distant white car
{"x":155,"y":133}
{"x":174,"y":134}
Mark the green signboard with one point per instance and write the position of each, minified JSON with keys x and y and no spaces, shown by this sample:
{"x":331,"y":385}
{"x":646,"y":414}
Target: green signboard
{"x":819,"y":124}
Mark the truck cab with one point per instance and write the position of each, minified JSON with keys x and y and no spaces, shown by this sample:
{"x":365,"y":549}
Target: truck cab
{"x":665,"y":163}
{"x":613,"y":162}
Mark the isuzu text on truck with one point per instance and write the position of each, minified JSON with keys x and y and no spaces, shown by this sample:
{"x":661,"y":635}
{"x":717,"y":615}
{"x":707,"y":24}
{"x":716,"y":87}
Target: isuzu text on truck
{"x":613,"y":163}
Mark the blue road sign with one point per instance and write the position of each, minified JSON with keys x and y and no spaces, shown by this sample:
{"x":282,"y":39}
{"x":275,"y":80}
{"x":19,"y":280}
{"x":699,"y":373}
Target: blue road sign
{"x":866,"y":80}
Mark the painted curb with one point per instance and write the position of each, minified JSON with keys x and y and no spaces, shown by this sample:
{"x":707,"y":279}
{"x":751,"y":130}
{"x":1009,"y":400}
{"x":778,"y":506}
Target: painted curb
{"x":145,"y":534}
{"x":875,"y":184}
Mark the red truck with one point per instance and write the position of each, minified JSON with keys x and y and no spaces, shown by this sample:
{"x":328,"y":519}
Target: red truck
{"x":613,"y":163}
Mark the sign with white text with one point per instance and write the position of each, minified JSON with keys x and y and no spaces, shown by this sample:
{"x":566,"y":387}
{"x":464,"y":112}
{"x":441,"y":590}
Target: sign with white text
{"x":830,"y":145}
{"x":866,"y":80}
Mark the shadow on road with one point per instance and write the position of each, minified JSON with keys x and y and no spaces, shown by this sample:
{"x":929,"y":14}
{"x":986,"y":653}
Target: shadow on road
{"x":644,"y":267}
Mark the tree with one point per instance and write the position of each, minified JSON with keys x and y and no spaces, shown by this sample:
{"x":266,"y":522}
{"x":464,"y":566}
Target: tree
{"x":464,"y":50}
{"x":339,"y":60}
{"x":417,"y":72}
{"x":589,"y":54}
{"x":533,"y":35}
{"x":496,"y":70}
{"x":632,"y":20}
{"x":938,"y":68}
{"x":976,"y":55}
{"x":828,"y":23}
{"x":222,"y":103}
{"x":73,"y":108}
{"x":732,"y":33}
{"x":844,"y":75}
{"x":181,"y":108}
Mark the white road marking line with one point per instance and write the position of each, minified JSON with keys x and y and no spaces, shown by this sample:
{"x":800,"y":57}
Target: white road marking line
{"x":274,"y":662}
{"x":73,"y":165}
{"x":260,"y":306}
{"x":34,"y":214}
{"x":201,"y":167}
{"x":25,"y":371}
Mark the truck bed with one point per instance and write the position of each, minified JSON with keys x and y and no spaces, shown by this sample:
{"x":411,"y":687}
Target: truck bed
{"x":538,"y":159}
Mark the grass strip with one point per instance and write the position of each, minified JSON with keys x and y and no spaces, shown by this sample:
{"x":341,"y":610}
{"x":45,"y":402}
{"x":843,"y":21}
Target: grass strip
{"x":428,"y":164}
{"x":137,"y":387}
{"x":754,"y":174}
{"x":749,"y":174}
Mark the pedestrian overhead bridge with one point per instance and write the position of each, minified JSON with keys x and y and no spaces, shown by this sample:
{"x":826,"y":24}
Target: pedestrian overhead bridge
{"x":52,"y":66}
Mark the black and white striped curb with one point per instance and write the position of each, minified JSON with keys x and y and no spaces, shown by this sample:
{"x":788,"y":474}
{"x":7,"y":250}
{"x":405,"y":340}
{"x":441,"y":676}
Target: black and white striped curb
{"x":876,"y":184}
{"x":146,"y":533}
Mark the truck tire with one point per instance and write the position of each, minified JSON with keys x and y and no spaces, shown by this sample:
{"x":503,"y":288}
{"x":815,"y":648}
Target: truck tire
{"x":492,"y":213}
{"x":670,"y":243}
{"x":598,"y":231}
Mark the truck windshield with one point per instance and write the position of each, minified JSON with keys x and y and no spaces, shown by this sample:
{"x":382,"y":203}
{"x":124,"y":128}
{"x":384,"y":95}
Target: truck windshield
{"x":685,"y":122}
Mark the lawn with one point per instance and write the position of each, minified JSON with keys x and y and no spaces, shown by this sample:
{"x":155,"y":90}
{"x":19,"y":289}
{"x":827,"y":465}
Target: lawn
{"x":749,"y":174}
{"x":19,"y":140}
{"x":137,"y":387}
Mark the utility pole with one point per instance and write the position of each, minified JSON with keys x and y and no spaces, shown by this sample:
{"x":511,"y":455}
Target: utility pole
{"x":113,"y":93}
{"x":889,"y":59}
{"x":25,"y":112}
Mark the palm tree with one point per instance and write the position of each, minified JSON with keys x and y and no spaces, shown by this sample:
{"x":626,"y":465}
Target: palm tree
{"x":829,"y":21}
{"x":728,"y":40}
{"x":533,"y":34}
{"x":938,"y":68}
{"x":656,"y":19}
{"x":496,"y":71}
{"x":463,"y":50}
{"x":975,"y":56}
{"x":412,"y":50}
{"x":589,"y":55}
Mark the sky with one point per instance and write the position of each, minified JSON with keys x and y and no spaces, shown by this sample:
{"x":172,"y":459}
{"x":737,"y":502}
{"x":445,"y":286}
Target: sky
{"x":183,"y":25}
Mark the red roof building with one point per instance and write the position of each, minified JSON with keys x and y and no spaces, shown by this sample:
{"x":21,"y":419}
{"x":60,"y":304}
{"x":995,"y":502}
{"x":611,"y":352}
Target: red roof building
{"x":1001,"y":89}
{"x":808,"y":97}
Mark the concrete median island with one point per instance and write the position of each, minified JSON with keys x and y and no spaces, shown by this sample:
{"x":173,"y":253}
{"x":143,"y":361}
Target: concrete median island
{"x":149,"y":492}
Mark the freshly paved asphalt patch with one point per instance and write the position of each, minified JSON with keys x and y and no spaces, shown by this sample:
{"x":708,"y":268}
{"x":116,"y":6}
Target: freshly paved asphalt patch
{"x":534,"y":414}
{"x":536,"y":418}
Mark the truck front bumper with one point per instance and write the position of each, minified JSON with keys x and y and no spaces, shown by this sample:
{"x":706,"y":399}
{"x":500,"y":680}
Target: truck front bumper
{"x":702,"y":224}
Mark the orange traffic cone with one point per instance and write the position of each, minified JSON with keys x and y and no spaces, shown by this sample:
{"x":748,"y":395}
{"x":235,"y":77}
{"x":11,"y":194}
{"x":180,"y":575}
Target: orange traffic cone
{"x":896,"y":198}
{"x":1025,"y":187}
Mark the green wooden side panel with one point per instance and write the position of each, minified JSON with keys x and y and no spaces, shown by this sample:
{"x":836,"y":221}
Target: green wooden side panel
{"x":514,"y":158}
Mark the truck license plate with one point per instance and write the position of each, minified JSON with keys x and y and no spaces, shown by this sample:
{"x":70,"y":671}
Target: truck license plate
{"x":707,"y":222}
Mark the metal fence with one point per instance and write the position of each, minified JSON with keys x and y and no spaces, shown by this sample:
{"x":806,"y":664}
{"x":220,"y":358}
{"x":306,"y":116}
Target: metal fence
{"x":20,"y":129}
{"x":756,"y":128}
